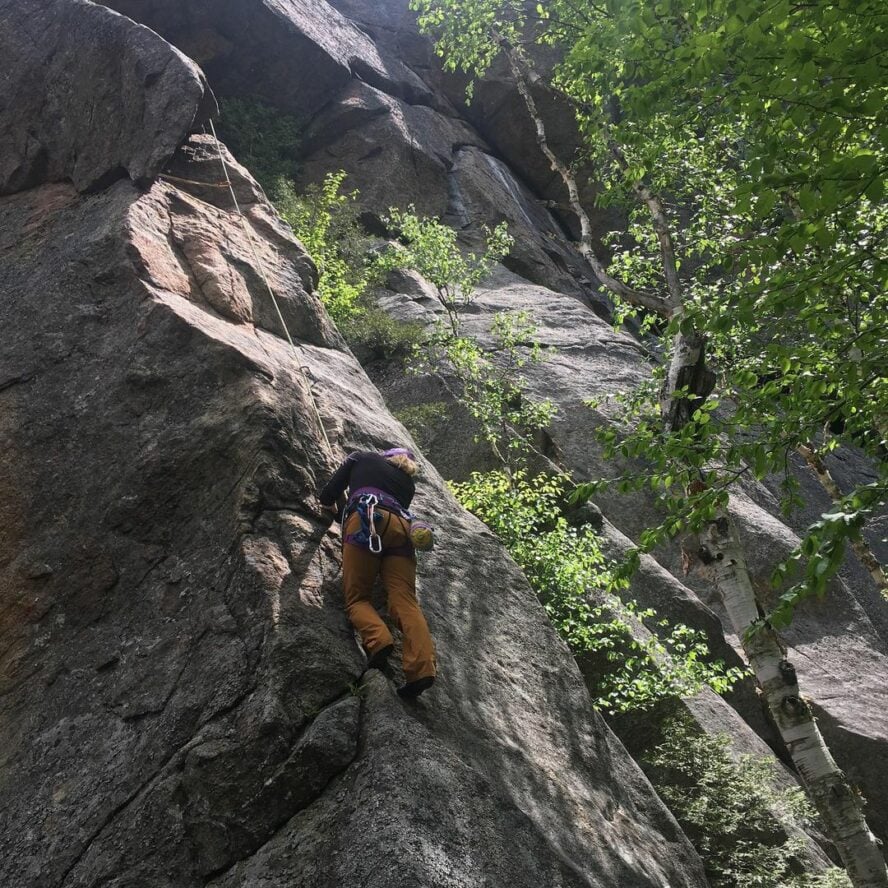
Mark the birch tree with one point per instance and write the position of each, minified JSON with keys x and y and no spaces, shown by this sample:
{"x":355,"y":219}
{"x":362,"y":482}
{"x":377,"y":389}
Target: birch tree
{"x":720,"y":105}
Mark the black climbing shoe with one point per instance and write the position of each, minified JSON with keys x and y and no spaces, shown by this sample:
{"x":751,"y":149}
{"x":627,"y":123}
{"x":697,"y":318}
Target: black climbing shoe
{"x":413,"y":689}
{"x":380,"y":658}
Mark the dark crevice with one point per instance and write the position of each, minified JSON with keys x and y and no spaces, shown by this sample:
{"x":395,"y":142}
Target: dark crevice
{"x":281,"y":824}
{"x":107,"y":179}
{"x":16,"y":380}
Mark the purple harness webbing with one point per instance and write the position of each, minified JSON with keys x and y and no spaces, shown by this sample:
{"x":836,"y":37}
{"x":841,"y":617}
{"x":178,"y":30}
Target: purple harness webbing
{"x":386,"y":500}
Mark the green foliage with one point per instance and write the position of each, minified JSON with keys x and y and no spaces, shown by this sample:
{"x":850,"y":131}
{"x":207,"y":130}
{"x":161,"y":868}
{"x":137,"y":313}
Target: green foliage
{"x":264,"y":140}
{"x":325,"y":220}
{"x":727,"y":806}
{"x":566,"y":568}
{"x":428,"y":246}
{"x":821,"y":552}
{"x":375,"y":335}
{"x":424,"y":421}
{"x":766,"y":126}
{"x":490,"y":384}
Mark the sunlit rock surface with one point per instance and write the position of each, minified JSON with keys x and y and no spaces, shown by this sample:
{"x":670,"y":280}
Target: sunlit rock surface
{"x":182,"y":700}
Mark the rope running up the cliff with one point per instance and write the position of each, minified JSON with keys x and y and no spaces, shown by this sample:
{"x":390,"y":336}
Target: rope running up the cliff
{"x":268,"y":287}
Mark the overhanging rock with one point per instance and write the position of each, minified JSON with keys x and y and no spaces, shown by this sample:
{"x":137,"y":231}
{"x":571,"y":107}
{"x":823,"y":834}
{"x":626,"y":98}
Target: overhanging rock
{"x":89,"y":96}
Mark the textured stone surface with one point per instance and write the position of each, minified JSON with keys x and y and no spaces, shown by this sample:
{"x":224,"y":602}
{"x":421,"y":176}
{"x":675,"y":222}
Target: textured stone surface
{"x":296,"y":54}
{"x":182,"y":700}
{"x":376,"y":108}
{"x":96,"y":97}
{"x":395,"y":153}
{"x":496,"y":110}
{"x":152,"y":599}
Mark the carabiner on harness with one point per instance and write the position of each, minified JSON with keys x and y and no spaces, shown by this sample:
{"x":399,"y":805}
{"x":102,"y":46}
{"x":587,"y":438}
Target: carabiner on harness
{"x":370,"y":501}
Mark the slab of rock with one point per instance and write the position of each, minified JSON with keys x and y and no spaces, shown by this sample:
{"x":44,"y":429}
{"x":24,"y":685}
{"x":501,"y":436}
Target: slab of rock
{"x":181,"y":696}
{"x":496,"y":111}
{"x":395,"y":153}
{"x":96,"y":97}
{"x":294,"y":54}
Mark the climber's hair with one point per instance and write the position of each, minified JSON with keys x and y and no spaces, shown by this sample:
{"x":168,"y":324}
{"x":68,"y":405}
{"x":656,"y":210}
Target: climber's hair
{"x":404,"y":463}
{"x":402,"y":458}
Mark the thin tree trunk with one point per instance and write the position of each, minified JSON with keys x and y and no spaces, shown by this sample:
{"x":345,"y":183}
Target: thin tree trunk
{"x":687,"y":366}
{"x":687,"y":373}
{"x":833,"y":797}
{"x":860,"y":546}
{"x":524,"y":76}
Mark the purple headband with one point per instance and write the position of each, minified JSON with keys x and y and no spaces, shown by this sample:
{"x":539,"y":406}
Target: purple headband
{"x":400,"y":451}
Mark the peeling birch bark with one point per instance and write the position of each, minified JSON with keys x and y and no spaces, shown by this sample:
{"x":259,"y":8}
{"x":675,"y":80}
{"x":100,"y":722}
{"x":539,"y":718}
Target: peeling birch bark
{"x":687,"y":365}
{"x":524,"y":77}
{"x":831,"y":793}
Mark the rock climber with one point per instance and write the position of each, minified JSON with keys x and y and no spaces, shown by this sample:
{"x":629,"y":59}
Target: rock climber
{"x":379,"y":538}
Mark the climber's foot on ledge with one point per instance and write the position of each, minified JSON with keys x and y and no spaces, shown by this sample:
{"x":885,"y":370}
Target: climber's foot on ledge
{"x":380,"y":658}
{"x":413,"y":689}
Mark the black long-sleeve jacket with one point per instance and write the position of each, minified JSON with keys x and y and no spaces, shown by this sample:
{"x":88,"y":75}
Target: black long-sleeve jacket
{"x":368,"y":469}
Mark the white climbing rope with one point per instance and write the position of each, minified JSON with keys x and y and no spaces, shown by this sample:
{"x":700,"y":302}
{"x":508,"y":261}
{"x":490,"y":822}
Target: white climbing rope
{"x":261,"y":267}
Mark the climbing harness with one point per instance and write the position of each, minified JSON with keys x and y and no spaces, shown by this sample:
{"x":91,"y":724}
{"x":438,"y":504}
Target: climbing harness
{"x":259,"y":264}
{"x":365,"y":501}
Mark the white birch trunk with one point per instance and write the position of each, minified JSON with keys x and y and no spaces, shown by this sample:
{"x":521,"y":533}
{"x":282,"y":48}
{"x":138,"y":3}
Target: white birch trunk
{"x":826,"y":784}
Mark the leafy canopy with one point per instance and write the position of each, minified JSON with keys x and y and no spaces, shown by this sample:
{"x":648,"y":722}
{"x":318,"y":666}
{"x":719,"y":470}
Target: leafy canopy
{"x":763,"y":127}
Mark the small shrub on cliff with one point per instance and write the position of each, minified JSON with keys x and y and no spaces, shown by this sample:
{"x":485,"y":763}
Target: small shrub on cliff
{"x":424,"y":420}
{"x":732,"y":812}
{"x":428,"y":246}
{"x":490,"y":384}
{"x":325,"y":219}
{"x":566,"y":567}
{"x":375,"y":335}
{"x":264,"y":140}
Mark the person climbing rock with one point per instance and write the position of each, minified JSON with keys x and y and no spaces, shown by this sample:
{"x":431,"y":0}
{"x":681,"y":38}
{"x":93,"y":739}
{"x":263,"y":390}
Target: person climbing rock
{"x":379,"y":538}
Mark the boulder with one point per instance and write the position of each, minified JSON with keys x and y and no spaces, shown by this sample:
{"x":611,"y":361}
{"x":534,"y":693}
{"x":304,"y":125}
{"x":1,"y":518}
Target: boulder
{"x":96,"y":97}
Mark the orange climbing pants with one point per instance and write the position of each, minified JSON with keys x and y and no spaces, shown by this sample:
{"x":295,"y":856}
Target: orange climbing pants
{"x":359,"y":571}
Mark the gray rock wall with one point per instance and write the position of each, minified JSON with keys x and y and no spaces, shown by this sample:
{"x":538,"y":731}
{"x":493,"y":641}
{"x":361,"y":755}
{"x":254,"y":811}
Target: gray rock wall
{"x":402,"y":143}
{"x":88,"y":97}
{"x":182,"y":700}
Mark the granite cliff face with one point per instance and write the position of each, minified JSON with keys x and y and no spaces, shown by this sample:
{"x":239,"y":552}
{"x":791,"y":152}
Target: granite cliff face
{"x":381,"y":109}
{"x":181,"y":697}
{"x":182,"y":700}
